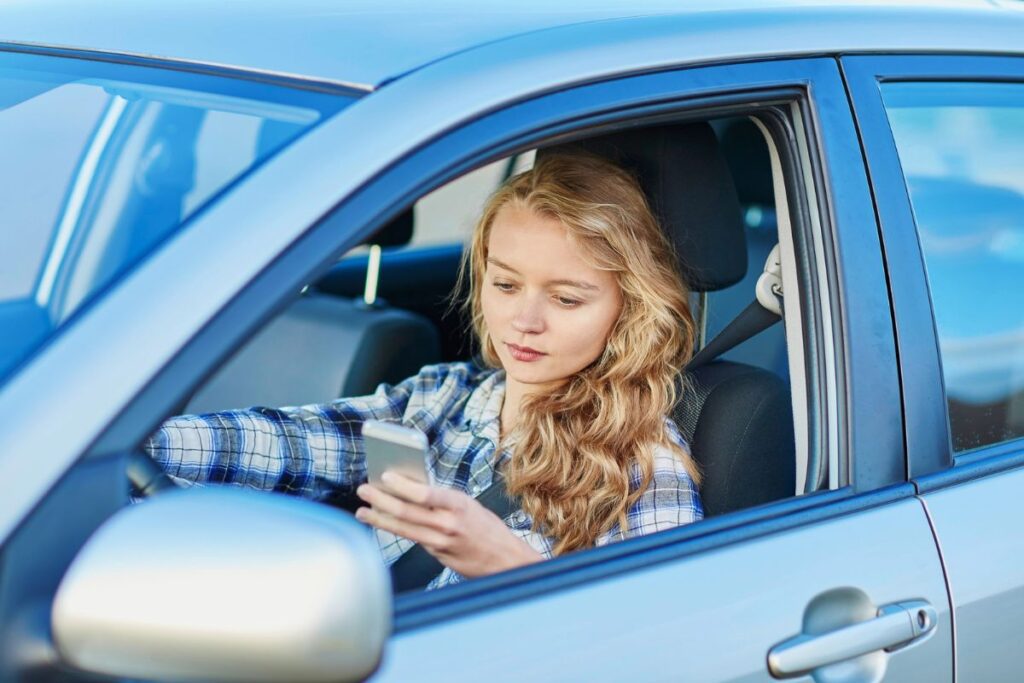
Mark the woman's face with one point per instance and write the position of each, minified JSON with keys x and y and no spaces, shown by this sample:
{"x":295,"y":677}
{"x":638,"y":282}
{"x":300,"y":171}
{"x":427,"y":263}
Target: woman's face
{"x":548,"y":312}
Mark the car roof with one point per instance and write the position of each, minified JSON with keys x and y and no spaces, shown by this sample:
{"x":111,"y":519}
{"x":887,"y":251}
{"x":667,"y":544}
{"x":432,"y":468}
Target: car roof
{"x":366,"y":43}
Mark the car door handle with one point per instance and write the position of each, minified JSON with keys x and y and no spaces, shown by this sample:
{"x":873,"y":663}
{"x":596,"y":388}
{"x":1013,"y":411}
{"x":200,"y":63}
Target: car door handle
{"x":895,"y":626}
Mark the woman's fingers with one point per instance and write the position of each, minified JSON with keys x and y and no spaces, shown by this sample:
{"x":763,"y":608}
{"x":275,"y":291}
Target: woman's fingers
{"x":384,"y":502}
{"x":422,"y":494}
{"x":457,"y":530}
{"x":430,"y":538}
{"x":442,"y":519}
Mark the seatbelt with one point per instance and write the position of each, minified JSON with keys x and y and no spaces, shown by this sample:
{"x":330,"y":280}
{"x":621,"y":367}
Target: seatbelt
{"x":751,"y":321}
{"x":416,"y":568}
{"x":762,"y":313}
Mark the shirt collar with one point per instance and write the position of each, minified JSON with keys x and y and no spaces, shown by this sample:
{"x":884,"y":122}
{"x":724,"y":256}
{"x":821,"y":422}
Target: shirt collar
{"x":483,"y":410}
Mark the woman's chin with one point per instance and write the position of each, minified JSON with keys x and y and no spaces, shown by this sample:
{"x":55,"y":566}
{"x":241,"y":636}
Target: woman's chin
{"x":533,"y":376}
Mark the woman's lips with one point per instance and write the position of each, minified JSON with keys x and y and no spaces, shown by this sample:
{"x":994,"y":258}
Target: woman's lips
{"x":524,"y":353}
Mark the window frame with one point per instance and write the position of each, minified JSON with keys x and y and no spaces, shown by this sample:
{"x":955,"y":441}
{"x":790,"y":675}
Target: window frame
{"x":859,"y":344}
{"x":876,"y":480}
{"x":931,"y":462}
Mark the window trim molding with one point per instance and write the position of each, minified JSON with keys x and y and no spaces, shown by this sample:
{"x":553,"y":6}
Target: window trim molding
{"x":352,"y":90}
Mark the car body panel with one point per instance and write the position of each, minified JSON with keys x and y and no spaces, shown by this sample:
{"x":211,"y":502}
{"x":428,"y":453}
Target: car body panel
{"x":365,"y":45}
{"x":709,"y":617}
{"x":977,"y":524}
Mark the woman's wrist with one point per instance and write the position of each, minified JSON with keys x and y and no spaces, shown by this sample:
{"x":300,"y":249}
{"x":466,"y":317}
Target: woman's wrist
{"x":524,"y":555}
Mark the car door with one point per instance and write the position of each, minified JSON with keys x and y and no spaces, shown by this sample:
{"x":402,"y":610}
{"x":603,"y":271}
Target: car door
{"x":956,"y":205}
{"x":746,"y":596}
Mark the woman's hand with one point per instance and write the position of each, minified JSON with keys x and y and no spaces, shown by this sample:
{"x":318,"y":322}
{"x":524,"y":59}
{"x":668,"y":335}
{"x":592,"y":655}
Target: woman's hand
{"x":452,"y":526}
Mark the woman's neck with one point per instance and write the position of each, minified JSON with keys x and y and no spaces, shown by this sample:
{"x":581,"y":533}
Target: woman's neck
{"x":515,"y":393}
{"x":510,"y":406}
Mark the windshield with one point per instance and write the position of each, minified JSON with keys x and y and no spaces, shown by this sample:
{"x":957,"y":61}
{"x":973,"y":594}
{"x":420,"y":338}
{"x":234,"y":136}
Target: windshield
{"x":100,"y":163}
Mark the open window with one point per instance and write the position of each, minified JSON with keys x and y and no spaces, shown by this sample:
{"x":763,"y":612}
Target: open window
{"x":724,"y":183}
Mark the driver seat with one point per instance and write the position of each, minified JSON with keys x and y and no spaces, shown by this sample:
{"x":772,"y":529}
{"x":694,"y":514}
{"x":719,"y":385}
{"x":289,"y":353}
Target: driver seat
{"x":737,"y":418}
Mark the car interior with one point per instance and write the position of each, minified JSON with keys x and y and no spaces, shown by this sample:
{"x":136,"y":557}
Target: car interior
{"x":386,"y":308}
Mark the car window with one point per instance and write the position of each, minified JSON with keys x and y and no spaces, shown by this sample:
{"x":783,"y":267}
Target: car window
{"x":447,"y":215}
{"x":120,"y":159}
{"x":961,"y":146}
{"x":335,"y":327}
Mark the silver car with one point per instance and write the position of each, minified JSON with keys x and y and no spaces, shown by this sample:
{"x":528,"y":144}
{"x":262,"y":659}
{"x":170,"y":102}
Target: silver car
{"x":210,"y":206}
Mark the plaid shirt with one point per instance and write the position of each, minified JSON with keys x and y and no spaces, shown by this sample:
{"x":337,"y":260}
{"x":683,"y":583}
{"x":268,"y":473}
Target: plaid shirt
{"x":317,"y":450}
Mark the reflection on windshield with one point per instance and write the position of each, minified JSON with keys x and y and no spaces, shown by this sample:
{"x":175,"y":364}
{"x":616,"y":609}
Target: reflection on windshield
{"x":100,"y":163}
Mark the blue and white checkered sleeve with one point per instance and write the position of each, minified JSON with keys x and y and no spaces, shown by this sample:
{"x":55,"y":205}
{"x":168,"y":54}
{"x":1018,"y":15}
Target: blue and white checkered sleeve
{"x":309,"y":450}
{"x":671,"y":498}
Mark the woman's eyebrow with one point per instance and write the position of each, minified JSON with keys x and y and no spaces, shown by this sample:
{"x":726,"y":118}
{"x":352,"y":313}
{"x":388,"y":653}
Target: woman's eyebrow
{"x":579,"y":284}
{"x":498,"y":263}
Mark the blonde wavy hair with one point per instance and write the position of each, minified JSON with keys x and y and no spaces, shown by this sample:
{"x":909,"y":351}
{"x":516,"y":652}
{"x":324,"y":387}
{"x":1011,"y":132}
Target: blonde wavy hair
{"x":575,"y":447}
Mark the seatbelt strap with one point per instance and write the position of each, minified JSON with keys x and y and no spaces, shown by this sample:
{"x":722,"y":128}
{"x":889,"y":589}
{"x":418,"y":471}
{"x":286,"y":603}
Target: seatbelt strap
{"x":416,"y":568}
{"x":765,"y":311}
{"x":751,"y":321}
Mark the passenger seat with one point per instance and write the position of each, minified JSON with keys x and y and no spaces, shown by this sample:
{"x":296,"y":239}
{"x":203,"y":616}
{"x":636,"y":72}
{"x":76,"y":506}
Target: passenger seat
{"x":323,"y":347}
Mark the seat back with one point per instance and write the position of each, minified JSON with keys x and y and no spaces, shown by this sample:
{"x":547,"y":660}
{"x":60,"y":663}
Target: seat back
{"x":320,"y":348}
{"x":737,"y":418}
{"x":739,"y":424}
{"x":323,"y":347}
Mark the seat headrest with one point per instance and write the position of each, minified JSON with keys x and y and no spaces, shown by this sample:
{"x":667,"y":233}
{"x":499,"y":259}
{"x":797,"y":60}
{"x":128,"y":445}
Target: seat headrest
{"x":744,"y":145}
{"x":396,"y":233}
{"x":691,"y":191}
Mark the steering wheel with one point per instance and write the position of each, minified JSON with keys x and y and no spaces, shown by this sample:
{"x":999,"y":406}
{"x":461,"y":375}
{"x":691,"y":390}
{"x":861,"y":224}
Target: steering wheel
{"x":147,"y":477}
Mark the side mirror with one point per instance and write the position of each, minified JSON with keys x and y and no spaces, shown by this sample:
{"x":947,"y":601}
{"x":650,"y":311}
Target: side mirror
{"x":223,"y":584}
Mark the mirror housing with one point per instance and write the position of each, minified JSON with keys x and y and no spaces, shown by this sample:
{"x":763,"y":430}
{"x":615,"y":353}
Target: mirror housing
{"x":225,"y":584}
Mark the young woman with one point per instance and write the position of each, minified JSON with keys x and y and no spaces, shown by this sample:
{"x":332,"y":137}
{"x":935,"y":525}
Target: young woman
{"x":583,"y":325}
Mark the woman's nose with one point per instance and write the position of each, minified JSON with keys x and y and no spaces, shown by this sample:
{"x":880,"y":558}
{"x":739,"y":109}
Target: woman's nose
{"x":528,"y":318}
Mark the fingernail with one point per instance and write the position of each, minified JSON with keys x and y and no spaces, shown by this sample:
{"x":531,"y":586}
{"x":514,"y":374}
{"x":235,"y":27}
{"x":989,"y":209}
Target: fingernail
{"x":387,"y":477}
{"x":360,"y":514}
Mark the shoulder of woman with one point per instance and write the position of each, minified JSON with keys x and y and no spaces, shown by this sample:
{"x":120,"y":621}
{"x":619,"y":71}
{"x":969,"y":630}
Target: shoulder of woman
{"x":668,"y":464}
{"x":438,"y":390}
{"x":670,"y":498}
{"x":450,"y":375}
{"x":674,"y":435}
{"x":666,"y":467}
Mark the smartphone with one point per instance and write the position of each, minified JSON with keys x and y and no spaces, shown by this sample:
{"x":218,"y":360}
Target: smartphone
{"x":392,"y":447}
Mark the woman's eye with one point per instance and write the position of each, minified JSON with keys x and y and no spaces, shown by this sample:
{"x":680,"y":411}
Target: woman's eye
{"x":504,"y":286}
{"x":567,"y":302}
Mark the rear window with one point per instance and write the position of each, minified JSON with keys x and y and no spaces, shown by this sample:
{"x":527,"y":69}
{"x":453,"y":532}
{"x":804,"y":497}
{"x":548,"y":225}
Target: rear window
{"x":100,"y":163}
{"x":961,"y":146}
